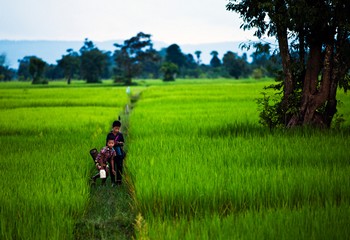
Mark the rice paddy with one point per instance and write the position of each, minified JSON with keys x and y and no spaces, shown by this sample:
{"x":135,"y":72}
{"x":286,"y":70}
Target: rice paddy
{"x":45,"y":138}
{"x":203,"y":168}
{"x":199,"y":165}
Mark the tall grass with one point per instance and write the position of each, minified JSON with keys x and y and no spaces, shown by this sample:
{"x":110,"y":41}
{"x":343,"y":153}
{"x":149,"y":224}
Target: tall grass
{"x":281,"y":223}
{"x":200,"y":163}
{"x":45,"y":137}
{"x":201,"y":166}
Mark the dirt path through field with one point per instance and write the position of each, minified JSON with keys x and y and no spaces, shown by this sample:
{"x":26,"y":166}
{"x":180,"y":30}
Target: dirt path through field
{"x":109,"y":214}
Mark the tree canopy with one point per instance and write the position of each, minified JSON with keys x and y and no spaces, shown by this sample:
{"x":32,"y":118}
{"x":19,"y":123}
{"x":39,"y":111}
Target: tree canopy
{"x":215,"y":61}
{"x":6,"y":74}
{"x":131,"y":55}
{"x":36,"y":69}
{"x":92,"y":63}
{"x":314,"y":46}
{"x":70,"y":64}
{"x":136,"y":58}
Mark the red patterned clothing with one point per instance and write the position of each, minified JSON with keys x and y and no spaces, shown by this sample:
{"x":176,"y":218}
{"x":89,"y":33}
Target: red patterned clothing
{"x":105,"y":155}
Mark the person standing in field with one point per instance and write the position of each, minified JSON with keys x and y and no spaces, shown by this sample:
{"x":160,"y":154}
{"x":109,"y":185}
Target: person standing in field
{"x":119,"y":158}
{"x":105,"y":156}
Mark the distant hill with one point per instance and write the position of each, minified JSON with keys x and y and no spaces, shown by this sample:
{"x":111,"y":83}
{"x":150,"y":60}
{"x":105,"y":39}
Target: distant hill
{"x":51,"y":51}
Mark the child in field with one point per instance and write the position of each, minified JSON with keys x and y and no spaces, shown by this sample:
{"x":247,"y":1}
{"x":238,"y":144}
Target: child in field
{"x":117,"y":168}
{"x":105,"y":156}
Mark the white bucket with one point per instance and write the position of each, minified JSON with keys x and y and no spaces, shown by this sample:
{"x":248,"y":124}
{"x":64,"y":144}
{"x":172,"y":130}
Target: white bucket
{"x":102,"y":173}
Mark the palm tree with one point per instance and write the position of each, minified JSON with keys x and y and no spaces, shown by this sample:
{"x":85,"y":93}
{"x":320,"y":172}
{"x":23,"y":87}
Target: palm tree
{"x":215,"y":61}
{"x":198,"y":55}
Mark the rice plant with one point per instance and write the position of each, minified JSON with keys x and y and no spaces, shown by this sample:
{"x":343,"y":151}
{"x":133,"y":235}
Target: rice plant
{"x":202,"y":168}
{"x":45,"y":137}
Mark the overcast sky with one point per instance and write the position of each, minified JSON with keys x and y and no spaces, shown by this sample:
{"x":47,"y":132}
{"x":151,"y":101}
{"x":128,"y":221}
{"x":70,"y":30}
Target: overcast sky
{"x":176,"y":21}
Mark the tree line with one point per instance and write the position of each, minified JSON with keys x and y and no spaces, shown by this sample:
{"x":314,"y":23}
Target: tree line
{"x":136,"y":58}
{"x":311,"y":63}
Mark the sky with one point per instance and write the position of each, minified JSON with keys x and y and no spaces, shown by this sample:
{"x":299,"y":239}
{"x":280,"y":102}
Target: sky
{"x":176,"y":21}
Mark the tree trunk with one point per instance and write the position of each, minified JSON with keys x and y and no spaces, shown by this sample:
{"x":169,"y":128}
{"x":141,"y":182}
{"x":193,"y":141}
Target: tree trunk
{"x":69,"y":79}
{"x":340,"y":68}
{"x":286,"y":65}
{"x":309,"y":103}
{"x":315,"y":94}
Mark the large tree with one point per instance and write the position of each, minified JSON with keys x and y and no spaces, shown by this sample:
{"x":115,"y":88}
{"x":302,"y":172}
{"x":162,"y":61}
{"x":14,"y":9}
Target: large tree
{"x":92,"y":62}
{"x":215,"y":61}
{"x":23,"y":68}
{"x":234,"y":65}
{"x":36,"y":69}
{"x":169,"y":70}
{"x":314,"y":45}
{"x":175,"y":55}
{"x":6,"y":73}
{"x":70,"y":63}
{"x":198,"y":55}
{"x":130,"y":56}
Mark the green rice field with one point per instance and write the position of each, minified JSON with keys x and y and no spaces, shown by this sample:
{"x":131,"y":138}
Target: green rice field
{"x":45,"y":137}
{"x":203,"y":168}
{"x":199,"y":165}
